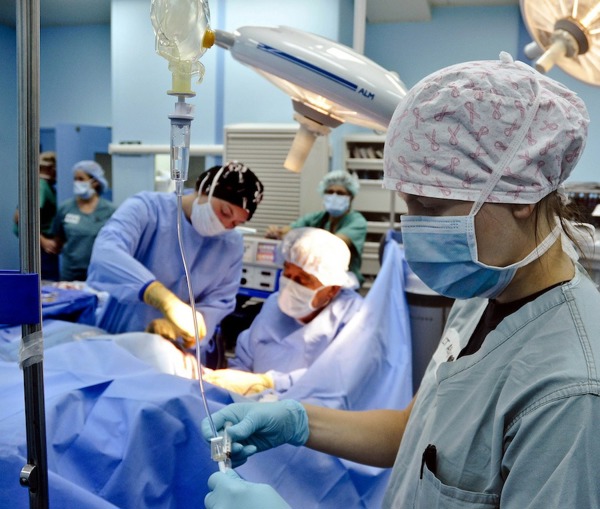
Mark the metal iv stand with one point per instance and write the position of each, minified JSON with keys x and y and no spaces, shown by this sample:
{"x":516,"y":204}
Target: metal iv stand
{"x":34,"y":474}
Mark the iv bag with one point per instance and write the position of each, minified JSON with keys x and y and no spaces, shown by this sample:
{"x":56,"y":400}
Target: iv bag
{"x":181,"y":28}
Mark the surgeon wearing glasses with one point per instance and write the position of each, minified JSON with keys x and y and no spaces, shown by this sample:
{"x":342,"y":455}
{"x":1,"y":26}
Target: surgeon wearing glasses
{"x":315,"y":301}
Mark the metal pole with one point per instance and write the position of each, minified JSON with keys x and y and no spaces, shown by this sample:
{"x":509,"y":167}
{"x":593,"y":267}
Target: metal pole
{"x":34,"y":475}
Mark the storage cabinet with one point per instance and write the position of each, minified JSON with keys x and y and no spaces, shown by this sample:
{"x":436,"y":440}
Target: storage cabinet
{"x":363,"y":156}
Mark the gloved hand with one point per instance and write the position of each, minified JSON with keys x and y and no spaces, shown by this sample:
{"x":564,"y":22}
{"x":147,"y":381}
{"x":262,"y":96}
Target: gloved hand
{"x":170,"y":331}
{"x":239,"y":381}
{"x":164,"y":328}
{"x":229,"y":490}
{"x":176,"y":311}
{"x":257,"y":427}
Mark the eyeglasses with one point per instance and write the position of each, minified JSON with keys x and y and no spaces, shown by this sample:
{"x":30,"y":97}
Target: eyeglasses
{"x":338,"y":192}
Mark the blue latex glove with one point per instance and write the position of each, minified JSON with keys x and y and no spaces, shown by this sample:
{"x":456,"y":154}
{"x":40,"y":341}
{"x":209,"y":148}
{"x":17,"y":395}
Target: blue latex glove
{"x":257,"y":427}
{"x":230,"y":491}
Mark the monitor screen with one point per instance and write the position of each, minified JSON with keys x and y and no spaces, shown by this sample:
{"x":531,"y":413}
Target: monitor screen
{"x":265,"y":252}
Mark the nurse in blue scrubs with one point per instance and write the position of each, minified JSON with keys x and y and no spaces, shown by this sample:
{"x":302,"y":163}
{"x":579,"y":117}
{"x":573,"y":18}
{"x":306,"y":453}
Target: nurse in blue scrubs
{"x":506,"y":414}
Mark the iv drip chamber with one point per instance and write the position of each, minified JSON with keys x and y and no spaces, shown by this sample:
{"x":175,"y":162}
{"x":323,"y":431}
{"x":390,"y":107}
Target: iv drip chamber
{"x":181,"y":122}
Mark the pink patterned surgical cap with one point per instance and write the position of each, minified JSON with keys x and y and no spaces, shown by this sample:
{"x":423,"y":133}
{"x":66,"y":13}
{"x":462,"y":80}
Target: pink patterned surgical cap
{"x":499,"y":130}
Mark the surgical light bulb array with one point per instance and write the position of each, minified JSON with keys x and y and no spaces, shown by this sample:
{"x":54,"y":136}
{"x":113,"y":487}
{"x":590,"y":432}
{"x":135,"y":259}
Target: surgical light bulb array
{"x":566,"y":33}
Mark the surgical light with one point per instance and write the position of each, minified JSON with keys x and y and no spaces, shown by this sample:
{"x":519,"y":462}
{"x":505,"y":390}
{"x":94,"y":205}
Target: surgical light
{"x":328,"y":82}
{"x":566,"y":33}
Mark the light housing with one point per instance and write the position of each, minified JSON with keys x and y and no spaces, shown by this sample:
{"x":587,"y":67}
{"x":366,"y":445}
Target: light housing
{"x":565,"y":33}
{"x":329,"y":83}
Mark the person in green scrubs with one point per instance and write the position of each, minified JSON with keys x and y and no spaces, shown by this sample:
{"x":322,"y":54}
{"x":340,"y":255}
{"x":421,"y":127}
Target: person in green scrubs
{"x":338,"y":189}
{"x":47,"y":202}
{"x":79,"y":219}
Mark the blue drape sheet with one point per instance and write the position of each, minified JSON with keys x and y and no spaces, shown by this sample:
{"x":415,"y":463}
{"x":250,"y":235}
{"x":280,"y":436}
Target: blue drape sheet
{"x":122,"y":435}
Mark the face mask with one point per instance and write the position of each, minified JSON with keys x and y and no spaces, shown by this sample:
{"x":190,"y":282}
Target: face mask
{"x":294,"y":299}
{"x":336,"y":204}
{"x":442,"y":252}
{"x":205,"y":221}
{"x":83,"y":190}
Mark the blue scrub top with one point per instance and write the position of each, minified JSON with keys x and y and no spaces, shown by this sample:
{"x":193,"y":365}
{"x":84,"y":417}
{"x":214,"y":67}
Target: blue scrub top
{"x":139,"y":244}
{"x":279,"y":344}
{"x":515,"y":423}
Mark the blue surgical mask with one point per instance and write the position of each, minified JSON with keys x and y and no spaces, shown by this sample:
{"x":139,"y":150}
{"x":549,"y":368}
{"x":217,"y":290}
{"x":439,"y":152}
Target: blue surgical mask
{"x":336,"y":204}
{"x":442,"y":252}
{"x":83,"y":189}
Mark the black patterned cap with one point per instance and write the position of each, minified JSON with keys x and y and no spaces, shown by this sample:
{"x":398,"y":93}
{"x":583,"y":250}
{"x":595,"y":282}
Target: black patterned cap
{"x":235,"y":183}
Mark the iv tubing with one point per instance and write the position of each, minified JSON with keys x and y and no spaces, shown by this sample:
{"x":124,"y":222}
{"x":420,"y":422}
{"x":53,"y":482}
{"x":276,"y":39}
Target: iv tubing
{"x":179,"y":191}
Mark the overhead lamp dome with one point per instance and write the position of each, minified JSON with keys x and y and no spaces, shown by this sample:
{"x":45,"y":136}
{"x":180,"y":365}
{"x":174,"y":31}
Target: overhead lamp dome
{"x":329,"y":83}
{"x":566,"y":33}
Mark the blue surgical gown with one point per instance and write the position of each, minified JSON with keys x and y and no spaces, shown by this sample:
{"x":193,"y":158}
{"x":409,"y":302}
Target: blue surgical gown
{"x":139,"y":244}
{"x":280,"y":345}
{"x":515,"y":424}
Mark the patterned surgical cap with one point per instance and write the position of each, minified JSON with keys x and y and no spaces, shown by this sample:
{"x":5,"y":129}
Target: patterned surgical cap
{"x":498,"y":130}
{"x":236,"y":184}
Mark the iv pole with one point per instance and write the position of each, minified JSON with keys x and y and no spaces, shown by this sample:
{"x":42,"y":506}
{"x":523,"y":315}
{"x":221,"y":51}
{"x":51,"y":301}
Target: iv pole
{"x":34,"y":474}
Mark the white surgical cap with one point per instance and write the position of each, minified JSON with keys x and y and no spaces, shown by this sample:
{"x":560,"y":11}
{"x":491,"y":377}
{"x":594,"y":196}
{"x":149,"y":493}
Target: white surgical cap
{"x":94,"y":170}
{"x":342,"y":178}
{"x":496,"y":129}
{"x":321,"y":254}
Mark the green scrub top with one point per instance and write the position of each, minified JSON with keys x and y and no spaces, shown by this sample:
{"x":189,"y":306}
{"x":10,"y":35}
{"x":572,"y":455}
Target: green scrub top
{"x":78,"y":232}
{"x":47,"y":208}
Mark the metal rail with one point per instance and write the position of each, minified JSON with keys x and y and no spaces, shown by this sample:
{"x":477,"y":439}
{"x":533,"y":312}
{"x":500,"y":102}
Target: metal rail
{"x":34,"y":475}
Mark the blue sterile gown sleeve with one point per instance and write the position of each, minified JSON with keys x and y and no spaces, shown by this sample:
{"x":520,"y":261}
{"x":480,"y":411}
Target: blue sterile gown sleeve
{"x":283,"y":347}
{"x":139,"y":244}
{"x":515,"y":424}
{"x":122,"y":435}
